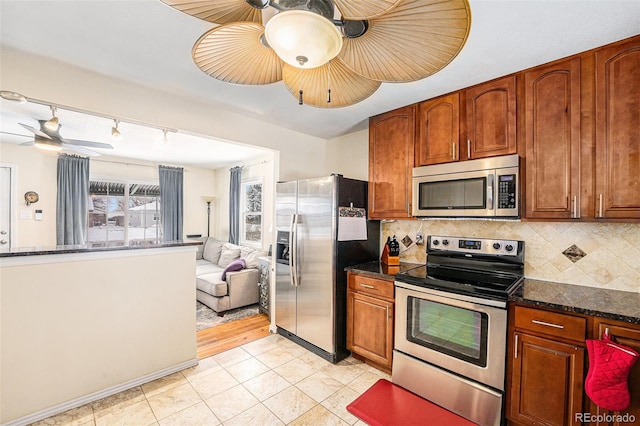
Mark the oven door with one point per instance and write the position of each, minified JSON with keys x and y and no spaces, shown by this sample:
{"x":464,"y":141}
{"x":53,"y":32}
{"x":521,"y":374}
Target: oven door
{"x":455,"y":194}
{"x":454,"y":332}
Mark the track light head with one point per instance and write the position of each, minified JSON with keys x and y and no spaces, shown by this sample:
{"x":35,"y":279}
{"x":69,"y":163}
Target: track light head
{"x":115,"y":133}
{"x":53,"y":124}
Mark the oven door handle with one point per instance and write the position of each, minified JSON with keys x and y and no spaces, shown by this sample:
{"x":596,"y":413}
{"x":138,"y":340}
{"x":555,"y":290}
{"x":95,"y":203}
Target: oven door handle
{"x":490,"y":182}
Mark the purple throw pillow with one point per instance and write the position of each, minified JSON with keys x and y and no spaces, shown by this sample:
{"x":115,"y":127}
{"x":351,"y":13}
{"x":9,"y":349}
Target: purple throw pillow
{"x":236,"y":265}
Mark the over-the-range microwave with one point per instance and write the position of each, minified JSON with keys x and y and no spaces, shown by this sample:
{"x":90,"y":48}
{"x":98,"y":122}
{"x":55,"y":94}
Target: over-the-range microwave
{"x":484,"y":188}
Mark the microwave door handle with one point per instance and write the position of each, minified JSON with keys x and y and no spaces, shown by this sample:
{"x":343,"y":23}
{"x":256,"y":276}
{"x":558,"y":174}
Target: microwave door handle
{"x":490,"y":181}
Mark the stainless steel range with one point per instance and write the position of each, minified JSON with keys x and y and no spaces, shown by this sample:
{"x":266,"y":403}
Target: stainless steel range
{"x":451,"y":324}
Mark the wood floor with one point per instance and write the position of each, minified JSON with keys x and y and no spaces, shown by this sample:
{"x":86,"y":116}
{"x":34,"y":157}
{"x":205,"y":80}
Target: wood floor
{"x":227,"y":336}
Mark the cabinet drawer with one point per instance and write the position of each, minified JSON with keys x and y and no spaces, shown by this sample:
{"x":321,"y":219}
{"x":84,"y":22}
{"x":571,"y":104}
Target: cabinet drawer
{"x":551,"y":323}
{"x":371,"y":286}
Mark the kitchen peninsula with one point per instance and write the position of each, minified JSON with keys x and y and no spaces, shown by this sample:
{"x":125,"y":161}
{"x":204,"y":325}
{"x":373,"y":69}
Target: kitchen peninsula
{"x":79,"y":323}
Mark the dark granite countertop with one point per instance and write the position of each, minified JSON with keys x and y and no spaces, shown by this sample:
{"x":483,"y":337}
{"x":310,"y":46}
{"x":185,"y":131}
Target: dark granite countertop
{"x":598,"y":302}
{"x":85,"y":248}
{"x":378,"y":269}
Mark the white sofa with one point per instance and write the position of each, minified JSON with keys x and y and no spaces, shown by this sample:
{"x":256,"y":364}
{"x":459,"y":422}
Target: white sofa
{"x":238,"y":287}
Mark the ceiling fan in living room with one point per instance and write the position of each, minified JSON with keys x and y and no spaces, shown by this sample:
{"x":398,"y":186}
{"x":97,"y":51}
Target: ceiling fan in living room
{"x":328,"y":53}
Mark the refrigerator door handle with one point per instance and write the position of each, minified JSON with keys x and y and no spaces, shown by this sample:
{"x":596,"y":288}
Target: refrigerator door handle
{"x":294,"y":253}
{"x":292,"y":250}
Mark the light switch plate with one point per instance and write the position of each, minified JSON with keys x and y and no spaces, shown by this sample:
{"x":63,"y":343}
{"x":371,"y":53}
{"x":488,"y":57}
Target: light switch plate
{"x":25,"y":214}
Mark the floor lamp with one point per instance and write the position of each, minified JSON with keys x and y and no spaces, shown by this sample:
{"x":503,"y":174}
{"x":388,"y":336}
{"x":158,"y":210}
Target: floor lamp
{"x":208,"y":200}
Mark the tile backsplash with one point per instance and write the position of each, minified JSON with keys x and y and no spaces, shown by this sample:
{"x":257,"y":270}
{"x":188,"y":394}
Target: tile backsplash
{"x":602,"y":255}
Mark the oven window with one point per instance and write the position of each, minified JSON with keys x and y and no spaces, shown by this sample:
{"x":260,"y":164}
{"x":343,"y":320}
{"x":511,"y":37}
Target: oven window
{"x":458,"y":332}
{"x":453,"y":194}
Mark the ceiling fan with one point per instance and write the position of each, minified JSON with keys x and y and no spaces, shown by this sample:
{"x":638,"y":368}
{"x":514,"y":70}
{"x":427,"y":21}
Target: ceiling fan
{"x":48,"y":137}
{"x":328,"y":53}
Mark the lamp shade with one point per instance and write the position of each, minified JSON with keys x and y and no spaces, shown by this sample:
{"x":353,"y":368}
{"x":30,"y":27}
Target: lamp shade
{"x":303,"y":39}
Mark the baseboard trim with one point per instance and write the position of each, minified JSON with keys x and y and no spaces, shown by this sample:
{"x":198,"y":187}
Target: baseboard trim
{"x":78,"y":402}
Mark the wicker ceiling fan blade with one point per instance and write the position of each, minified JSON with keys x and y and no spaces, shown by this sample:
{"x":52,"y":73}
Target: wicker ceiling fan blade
{"x":218,"y":11}
{"x":415,"y":39}
{"x":234,"y":53}
{"x":353,"y":9}
{"x":347,"y":87}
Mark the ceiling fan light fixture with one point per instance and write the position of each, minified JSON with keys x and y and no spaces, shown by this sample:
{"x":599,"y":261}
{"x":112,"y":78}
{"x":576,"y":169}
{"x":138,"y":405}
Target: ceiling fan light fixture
{"x":115,"y":133}
{"x":303,"y":39}
{"x":53,"y":124}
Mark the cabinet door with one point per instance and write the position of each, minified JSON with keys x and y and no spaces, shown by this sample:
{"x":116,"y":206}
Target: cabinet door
{"x":617,"y":135}
{"x":438,"y":133}
{"x":628,"y":335}
{"x":552,"y":140}
{"x":546,"y":381}
{"x":391,"y":138}
{"x":370,"y":327}
{"x":491,"y":119}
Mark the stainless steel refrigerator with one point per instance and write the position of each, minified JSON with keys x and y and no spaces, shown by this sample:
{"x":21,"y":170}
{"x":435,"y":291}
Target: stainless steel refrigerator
{"x":311,"y":283}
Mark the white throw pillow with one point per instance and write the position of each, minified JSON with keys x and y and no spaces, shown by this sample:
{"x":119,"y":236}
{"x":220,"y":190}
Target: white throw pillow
{"x":212,"y":250}
{"x":250,"y":256}
{"x":228,"y":255}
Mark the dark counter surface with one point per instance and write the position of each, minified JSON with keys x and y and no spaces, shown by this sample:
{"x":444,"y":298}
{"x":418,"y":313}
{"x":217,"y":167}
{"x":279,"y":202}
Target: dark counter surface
{"x":377,"y":269}
{"x":598,"y":302}
{"x":86,"y":248}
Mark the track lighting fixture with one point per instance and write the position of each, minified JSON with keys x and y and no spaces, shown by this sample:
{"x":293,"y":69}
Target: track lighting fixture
{"x":53,"y":123}
{"x":115,"y":133}
{"x":165,"y":140}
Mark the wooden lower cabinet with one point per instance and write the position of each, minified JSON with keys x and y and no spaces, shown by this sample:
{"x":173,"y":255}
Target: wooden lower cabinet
{"x":628,"y":335}
{"x":547,"y":380}
{"x":546,"y":367}
{"x":370,"y":314}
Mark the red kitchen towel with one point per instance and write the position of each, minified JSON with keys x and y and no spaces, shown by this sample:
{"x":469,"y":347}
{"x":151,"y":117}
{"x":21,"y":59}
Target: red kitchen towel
{"x":609,"y":366}
{"x":386,"y":404}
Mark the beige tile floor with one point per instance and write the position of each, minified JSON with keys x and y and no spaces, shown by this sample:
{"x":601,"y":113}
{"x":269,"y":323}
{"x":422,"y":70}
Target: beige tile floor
{"x":271,"y":381}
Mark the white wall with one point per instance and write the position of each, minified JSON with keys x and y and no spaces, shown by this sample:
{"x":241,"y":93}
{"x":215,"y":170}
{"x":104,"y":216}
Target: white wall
{"x":82,"y":326}
{"x":348,"y":155}
{"x":36,"y":171}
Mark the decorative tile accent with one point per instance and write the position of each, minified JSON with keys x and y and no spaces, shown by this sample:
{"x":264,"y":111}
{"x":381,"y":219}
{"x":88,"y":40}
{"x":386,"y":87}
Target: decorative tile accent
{"x":407,"y":241}
{"x":574,"y":253}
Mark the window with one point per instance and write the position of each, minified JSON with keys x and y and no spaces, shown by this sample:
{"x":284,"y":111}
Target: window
{"x":251,"y":213}
{"x":123,"y":213}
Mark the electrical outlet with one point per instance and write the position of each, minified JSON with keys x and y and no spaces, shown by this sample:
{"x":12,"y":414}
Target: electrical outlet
{"x":419,"y":238}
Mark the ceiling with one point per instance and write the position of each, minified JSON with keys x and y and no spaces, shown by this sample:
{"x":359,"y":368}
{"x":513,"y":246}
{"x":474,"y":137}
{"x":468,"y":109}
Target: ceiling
{"x":149,"y":43}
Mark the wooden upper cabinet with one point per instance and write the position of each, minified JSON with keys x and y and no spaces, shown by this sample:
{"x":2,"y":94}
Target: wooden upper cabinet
{"x":552,"y":140}
{"x":391,"y":140}
{"x":438,"y":132}
{"x":490,"y":119}
{"x":618,"y":131}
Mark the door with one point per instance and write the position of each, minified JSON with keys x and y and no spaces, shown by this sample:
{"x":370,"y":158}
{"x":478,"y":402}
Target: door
{"x":6,"y":207}
{"x":370,"y":327}
{"x":546,"y":381}
{"x":552,"y":139}
{"x":285,"y":303}
{"x":617,"y":136}
{"x":491,"y":119}
{"x":314,"y":253}
{"x":438,"y":133}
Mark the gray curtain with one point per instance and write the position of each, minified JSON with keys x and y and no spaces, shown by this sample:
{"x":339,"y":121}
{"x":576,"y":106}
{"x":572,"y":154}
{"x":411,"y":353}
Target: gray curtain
{"x":171,"y":205}
{"x":235,"y":182}
{"x":72,"y":200}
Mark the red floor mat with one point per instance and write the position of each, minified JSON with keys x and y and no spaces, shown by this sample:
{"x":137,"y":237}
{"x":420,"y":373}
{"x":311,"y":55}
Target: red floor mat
{"x":386,"y":404}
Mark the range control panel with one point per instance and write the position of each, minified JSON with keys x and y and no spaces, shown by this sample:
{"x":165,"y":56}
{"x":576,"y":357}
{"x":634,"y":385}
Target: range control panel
{"x":473,"y":245}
